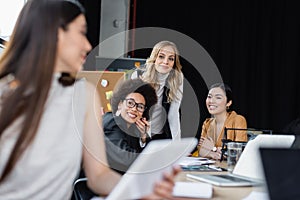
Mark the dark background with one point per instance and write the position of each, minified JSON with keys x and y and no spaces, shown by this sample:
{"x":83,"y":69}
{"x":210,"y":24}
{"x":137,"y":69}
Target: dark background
{"x":254,"y":43}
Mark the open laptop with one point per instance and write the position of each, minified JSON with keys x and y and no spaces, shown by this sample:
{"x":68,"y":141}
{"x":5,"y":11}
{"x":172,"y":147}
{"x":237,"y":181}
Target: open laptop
{"x":296,"y":143}
{"x":157,"y":157}
{"x":281,"y":170}
{"x":248,"y":170}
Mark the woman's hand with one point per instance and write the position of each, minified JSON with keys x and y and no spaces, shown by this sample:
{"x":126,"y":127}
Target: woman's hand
{"x":143,"y":126}
{"x":201,"y":141}
{"x":205,"y":146}
{"x":216,"y":155}
{"x":164,"y":188}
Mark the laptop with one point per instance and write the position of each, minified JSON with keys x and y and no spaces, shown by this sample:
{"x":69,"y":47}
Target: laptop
{"x":248,"y":170}
{"x":157,"y":157}
{"x":296,"y":143}
{"x":281,"y":170}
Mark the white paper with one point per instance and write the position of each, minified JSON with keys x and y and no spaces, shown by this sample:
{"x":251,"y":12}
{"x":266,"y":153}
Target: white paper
{"x":193,"y":190}
{"x":192,"y":161}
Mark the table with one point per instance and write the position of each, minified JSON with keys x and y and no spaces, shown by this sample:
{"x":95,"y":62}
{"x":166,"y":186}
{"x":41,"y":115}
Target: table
{"x":221,"y":193}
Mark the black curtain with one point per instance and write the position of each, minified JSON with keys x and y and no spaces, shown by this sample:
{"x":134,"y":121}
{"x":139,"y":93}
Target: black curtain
{"x":254,"y":43}
{"x":92,"y":13}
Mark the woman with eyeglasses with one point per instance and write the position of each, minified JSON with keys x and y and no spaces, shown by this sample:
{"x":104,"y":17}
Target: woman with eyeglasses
{"x":126,"y":128}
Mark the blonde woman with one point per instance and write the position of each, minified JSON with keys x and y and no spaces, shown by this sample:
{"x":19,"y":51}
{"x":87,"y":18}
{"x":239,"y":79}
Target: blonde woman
{"x":163,"y":71}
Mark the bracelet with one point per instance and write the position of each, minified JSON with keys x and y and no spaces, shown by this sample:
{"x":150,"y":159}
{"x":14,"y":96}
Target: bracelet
{"x":214,"y":149}
{"x":143,"y":139}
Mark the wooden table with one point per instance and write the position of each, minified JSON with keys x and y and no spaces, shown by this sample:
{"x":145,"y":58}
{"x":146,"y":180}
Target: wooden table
{"x":221,"y":193}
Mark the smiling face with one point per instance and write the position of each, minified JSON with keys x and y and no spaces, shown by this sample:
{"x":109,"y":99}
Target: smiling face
{"x":165,"y":60}
{"x":131,"y":115}
{"x":216,"y":101}
{"x":73,"y":46}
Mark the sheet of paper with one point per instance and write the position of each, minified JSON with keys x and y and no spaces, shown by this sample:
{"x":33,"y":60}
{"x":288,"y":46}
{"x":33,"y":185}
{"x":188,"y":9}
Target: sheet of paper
{"x":190,"y":161}
{"x":193,"y":190}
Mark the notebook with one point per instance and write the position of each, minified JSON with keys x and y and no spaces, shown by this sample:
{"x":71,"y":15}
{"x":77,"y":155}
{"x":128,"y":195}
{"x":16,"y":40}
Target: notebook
{"x":157,"y":157}
{"x":248,"y":170}
{"x":281,"y":170}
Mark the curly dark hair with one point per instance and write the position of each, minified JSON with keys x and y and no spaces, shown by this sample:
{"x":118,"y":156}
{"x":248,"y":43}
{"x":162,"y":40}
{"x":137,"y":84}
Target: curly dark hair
{"x":126,"y":87}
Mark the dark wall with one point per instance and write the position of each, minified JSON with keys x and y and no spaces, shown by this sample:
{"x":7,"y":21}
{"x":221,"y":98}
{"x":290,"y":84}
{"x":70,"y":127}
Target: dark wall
{"x":254,"y":43}
{"x":92,"y":9}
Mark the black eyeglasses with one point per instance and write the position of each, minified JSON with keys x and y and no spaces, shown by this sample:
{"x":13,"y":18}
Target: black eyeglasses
{"x":131,"y":104}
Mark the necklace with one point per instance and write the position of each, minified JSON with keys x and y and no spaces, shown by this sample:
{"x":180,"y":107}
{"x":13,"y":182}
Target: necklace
{"x":214,"y":134}
{"x":214,"y":137}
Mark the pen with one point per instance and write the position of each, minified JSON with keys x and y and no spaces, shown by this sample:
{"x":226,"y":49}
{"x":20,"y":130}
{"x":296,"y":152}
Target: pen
{"x":215,"y":168}
{"x":223,"y":169}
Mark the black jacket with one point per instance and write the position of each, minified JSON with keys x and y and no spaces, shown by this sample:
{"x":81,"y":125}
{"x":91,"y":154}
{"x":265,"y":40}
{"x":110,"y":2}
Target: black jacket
{"x":122,"y":143}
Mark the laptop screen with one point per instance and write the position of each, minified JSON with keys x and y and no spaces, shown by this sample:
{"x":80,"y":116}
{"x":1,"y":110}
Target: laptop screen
{"x":281,"y":170}
{"x":249,"y":164}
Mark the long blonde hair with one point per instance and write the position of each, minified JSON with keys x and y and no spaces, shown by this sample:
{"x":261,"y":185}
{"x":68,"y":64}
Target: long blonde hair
{"x":175,"y":77}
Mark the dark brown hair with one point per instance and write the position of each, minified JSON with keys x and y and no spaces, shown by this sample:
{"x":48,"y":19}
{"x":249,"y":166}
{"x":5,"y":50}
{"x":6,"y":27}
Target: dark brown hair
{"x":227,"y":90}
{"x":30,"y":58}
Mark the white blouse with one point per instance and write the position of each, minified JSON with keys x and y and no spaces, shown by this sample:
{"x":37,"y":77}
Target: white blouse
{"x":51,"y":163}
{"x":158,"y":116}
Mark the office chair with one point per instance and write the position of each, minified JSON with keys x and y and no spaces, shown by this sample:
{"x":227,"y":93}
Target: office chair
{"x":81,"y":190}
{"x":251,"y":134}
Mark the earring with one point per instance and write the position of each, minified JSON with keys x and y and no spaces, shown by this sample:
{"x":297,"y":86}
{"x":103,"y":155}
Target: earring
{"x":227,"y":107}
{"x":118,"y":113}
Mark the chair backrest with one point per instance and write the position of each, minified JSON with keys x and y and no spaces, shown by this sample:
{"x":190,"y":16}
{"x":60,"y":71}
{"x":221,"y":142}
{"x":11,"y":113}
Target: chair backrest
{"x":81,"y":190}
{"x":251,"y":134}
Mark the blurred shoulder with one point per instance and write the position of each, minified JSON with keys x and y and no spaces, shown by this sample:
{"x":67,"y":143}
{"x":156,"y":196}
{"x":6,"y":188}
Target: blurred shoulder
{"x":181,"y":77}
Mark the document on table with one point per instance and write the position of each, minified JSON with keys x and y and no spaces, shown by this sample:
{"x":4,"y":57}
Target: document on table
{"x":187,"y":189}
{"x":193,"y":190}
{"x":192,"y":161}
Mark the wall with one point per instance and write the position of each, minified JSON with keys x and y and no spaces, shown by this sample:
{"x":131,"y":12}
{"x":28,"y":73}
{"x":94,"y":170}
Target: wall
{"x":254,"y":43}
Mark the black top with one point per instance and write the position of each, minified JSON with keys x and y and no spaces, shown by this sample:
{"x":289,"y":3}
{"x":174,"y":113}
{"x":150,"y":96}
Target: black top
{"x":122,"y":142}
